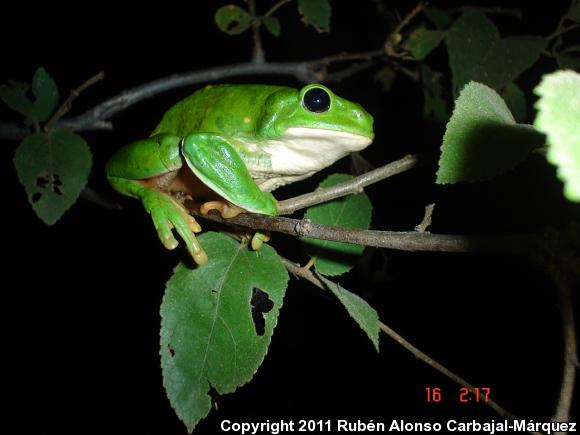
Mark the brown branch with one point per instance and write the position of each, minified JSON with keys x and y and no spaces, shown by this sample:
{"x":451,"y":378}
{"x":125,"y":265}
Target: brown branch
{"x":562,"y":281}
{"x":427,"y":219}
{"x":301,"y":272}
{"x":258,"y":55}
{"x":352,"y":186}
{"x":66,"y":106}
{"x":98,"y":117}
{"x":407,"y":19}
{"x":521,"y":244}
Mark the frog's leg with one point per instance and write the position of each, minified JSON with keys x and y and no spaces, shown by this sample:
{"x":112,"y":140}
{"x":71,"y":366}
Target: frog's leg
{"x":154,"y":157}
{"x":217,"y":164}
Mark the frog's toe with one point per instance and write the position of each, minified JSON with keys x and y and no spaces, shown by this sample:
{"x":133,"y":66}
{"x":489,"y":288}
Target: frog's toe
{"x":185,"y":229}
{"x":193,"y":225}
{"x":164,"y":229}
{"x":259,"y":239}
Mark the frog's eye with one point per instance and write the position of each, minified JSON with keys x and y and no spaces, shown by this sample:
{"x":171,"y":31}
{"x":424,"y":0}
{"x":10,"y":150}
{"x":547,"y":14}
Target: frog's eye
{"x":316,"y":100}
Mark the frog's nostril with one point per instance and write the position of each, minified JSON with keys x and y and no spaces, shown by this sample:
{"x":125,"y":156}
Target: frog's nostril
{"x":357,"y":114}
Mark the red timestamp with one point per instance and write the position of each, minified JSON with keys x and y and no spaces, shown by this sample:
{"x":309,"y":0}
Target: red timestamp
{"x":463,"y":395}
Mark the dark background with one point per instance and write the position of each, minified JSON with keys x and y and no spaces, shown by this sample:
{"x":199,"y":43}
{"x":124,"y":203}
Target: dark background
{"x":80,"y":310}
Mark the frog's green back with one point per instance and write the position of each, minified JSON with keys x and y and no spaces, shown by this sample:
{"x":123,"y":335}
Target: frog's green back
{"x":227,"y":109}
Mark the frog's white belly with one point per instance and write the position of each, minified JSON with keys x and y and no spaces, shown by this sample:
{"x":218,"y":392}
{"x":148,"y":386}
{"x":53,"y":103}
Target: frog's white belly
{"x":300,"y":153}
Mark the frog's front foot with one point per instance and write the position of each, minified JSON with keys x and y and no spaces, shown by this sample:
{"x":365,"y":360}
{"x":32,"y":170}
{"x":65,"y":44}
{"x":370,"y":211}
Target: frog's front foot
{"x":227,"y":209}
{"x":168,"y":214}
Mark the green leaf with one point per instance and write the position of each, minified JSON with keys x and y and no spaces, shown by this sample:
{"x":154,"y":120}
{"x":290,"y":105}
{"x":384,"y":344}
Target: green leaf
{"x":15,"y":98}
{"x":477,"y":53}
{"x":208,"y":336}
{"x":363,"y":314}
{"x":272,"y":24}
{"x":53,"y":167}
{"x":574,"y":12}
{"x":559,"y":118}
{"x":352,"y":211}
{"x":233,"y":20}
{"x":515,"y":100}
{"x":43,"y":88}
{"x":422,"y":42}
{"x":482,"y":139}
{"x":46,"y":93}
{"x":440,"y":19}
{"x":316,"y":13}
{"x":435,"y":106}
{"x":569,"y":58}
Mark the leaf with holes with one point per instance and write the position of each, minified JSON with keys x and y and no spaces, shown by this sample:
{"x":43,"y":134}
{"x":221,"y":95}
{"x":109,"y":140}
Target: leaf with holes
{"x":217,"y":321}
{"x":44,"y":90}
{"x":482,"y":139}
{"x":316,"y":13}
{"x":422,"y":42}
{"x":233,"y":20}
{"x":559,"y":118}
{"x":53,"y":167}
{"x":363,"y":314}
{"x":478,"y":53}
{"x":353,"y":211}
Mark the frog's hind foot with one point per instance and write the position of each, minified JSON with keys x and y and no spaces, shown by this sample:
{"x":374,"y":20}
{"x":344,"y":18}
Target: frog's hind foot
{"x":226,"y":209}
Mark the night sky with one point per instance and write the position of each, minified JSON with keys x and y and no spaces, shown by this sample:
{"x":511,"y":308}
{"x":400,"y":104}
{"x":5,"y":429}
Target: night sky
{"x":80,"y":307}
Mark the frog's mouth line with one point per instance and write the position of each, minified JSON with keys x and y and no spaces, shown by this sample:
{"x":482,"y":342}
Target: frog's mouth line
{"x":300,"y":152}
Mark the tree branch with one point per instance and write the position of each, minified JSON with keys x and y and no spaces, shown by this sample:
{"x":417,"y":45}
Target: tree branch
{"x":355,"y":185}
{"x":302,"y":272}
{"x":564,"y":406}
{"x":521,"y":244}
{"x":258,"y":55}
{"x":98,"y":117}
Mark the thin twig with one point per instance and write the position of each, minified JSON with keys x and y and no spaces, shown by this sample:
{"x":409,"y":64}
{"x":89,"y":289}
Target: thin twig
{"x":352,"y":186}
{"x":345,"y":57}
{"x":427,"y":218}
{"x":276,"y":7}
{"x":309,"y":276}
{"x":394,"y":37}
{"x":564,"y":284}
{"x":407,"y":19}
{"x":66,"y":106}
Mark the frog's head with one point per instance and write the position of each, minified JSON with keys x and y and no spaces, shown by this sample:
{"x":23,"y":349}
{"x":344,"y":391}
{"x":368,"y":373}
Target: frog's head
{"x":307,"y":130}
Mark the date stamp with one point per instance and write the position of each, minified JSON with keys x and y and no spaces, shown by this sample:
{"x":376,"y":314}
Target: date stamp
{"x":461,"y":395}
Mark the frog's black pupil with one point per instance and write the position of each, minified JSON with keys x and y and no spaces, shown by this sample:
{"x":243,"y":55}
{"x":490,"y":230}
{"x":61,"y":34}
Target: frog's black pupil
{"x":316,"y":100}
